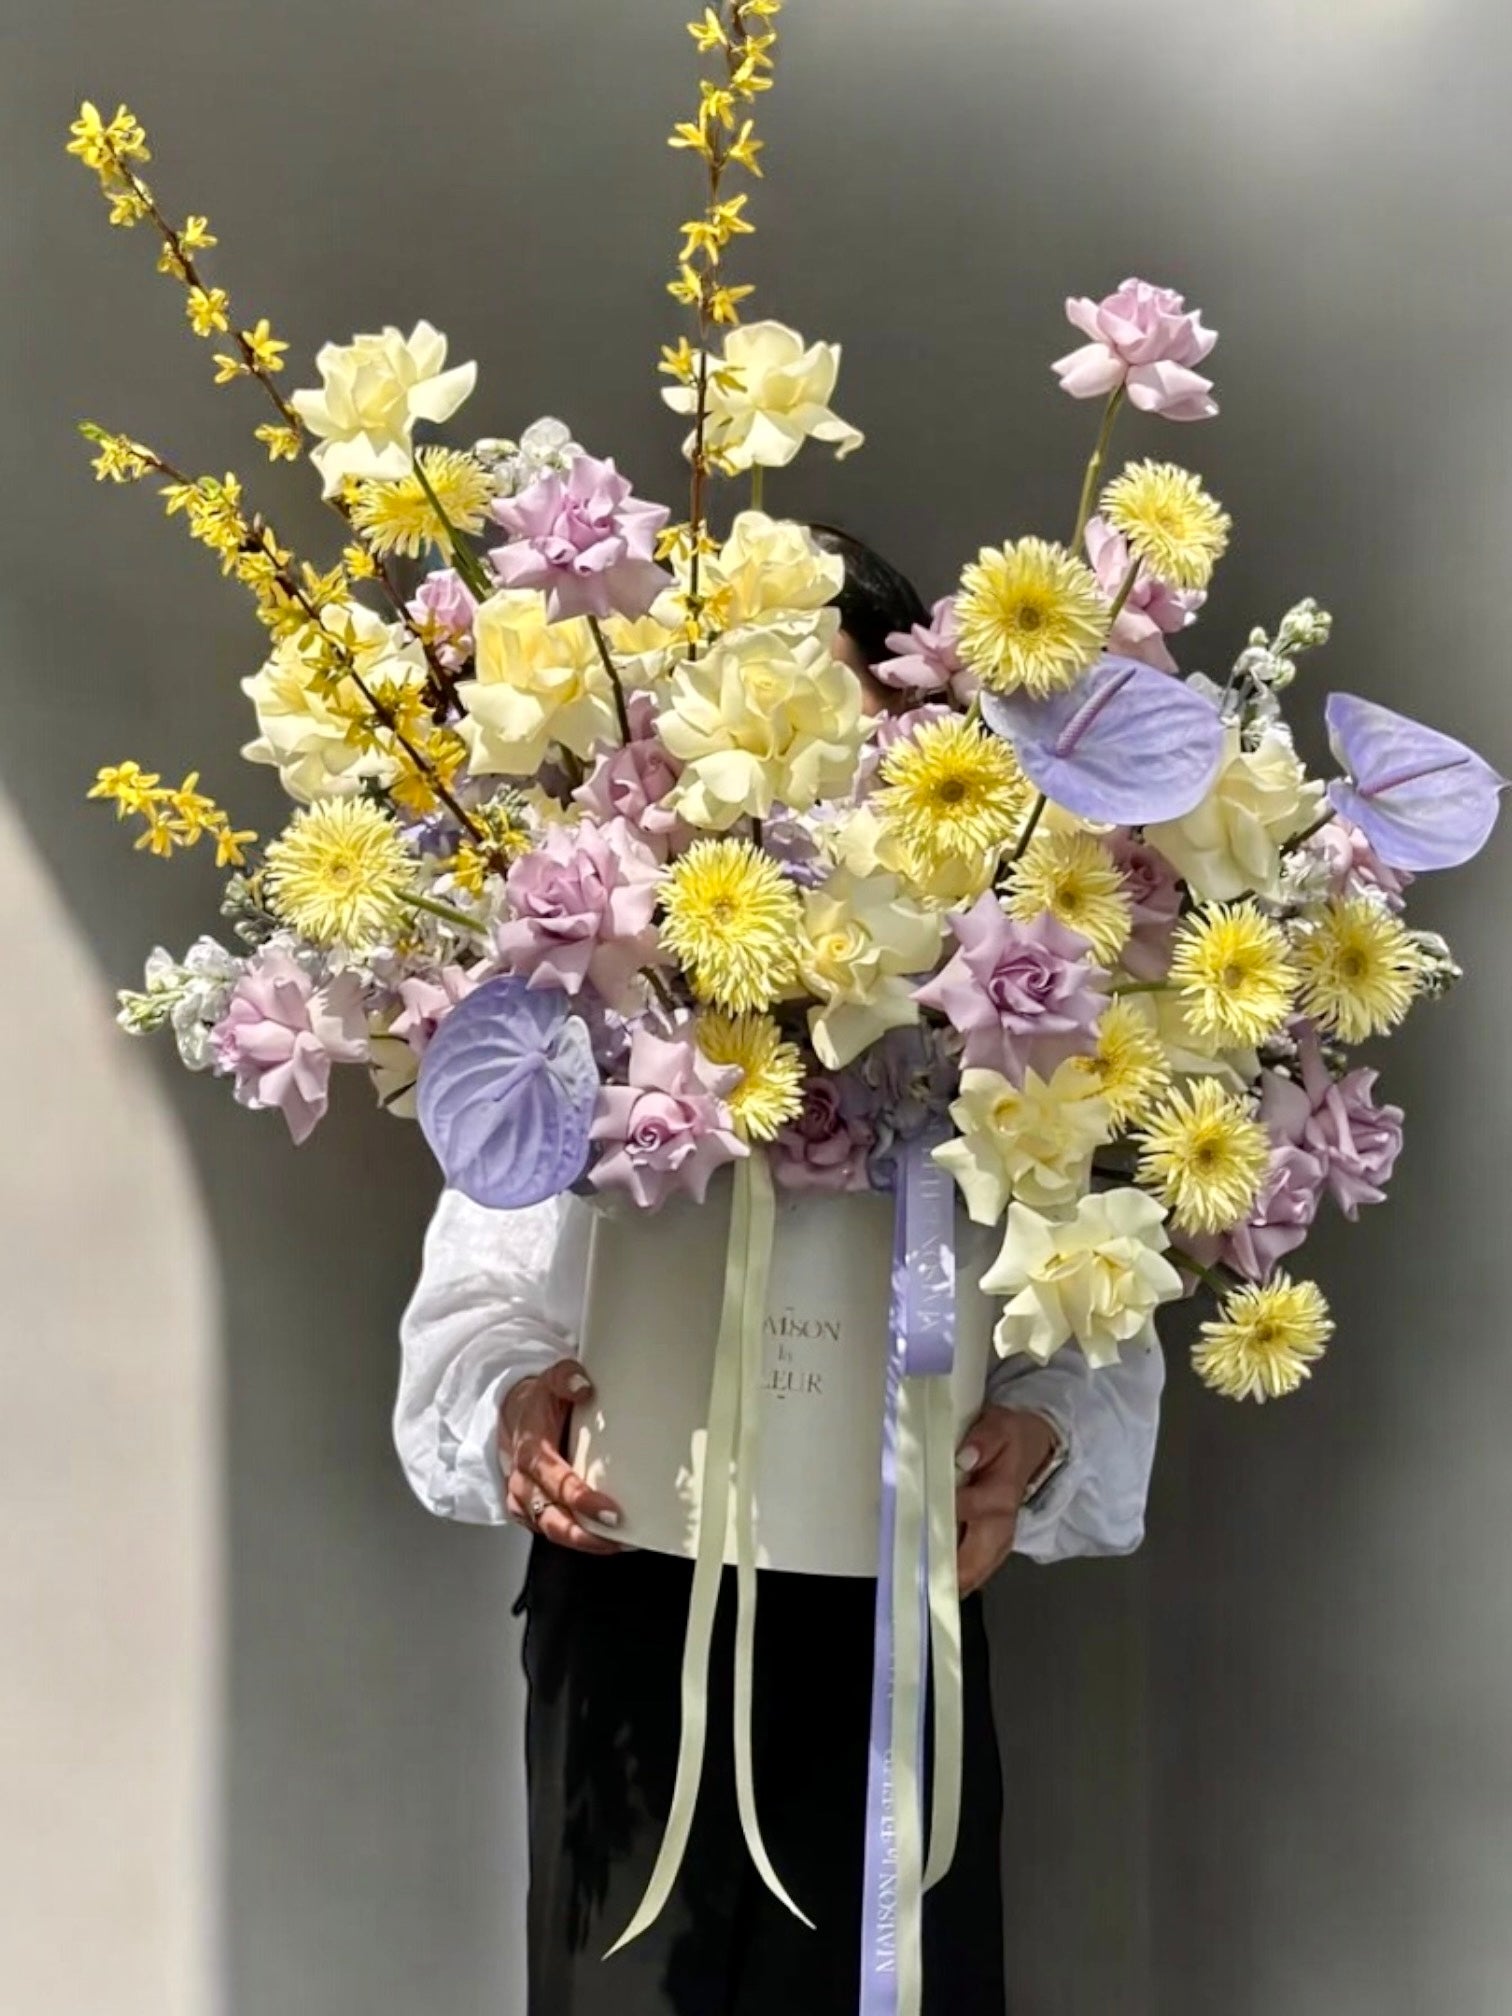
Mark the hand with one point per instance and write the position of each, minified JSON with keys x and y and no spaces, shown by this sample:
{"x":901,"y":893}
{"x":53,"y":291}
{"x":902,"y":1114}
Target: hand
{"x":542,"y":1491}
{"x":1001,"y":1453}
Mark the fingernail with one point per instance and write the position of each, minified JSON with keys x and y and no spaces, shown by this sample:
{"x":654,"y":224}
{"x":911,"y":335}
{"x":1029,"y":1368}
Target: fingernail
{"x":609,"y":1518}
{"x":968,"y":1458}
{"x":579,"y":1383}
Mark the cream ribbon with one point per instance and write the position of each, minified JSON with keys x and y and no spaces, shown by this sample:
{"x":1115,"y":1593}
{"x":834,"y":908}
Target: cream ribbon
{"x":729,"y":1444}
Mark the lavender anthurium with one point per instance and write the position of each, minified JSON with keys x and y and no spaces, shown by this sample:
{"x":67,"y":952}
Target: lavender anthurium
{"x":1125,"y":746}
{"x":506,"y":1094}
{"x":1421,"y":799}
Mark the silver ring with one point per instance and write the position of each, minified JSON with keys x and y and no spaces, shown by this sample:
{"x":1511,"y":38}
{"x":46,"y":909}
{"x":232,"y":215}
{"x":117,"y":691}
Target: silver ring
{"x":537,"y":1507}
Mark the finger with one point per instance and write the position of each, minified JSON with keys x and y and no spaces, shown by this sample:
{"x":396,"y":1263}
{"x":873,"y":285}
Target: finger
{"x":530,"y":1506}
{"x":985,"y":1546}
{"x":568,"y":1382}
{"x":564,"y":1531}
{"x":551,"y":1473}
{"x":540,"y":1404}
{"x":996,"y":1492}
{"x":985,"y":1439}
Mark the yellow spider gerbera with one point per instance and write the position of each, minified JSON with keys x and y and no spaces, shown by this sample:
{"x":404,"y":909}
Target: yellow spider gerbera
{"x":1265,"y":1341}
{"x":1205,"y":1155}
{"x":952,"y":792}
{"x":1360,"y":969}
{"x":770,"y":1091}
{"x":1029,"y":615}
{"x":398,"y":517}
{"x":1233,"y":967}
{"x":1129,"y":1065}
{"x":1169,"y":521}
{"x":338,"y":874}
{"x":731,"y":921}
{"x":1075,"y":878}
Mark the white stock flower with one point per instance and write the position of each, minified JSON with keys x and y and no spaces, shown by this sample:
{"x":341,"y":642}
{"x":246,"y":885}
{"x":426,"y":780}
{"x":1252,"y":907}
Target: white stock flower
{"x":372,"y":391}
{"x":1096,"y":1276}
{"x":1033,"y":1142}
{"x":1231,"y":843}
{"x":537,"y":682}
{"x":767,"y":395}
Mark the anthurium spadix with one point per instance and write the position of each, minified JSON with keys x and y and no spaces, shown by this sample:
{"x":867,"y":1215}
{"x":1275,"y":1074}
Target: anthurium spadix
{"x":506,"y":1094}
{"x":1421,"y":799}
{"x":1127,"y":745}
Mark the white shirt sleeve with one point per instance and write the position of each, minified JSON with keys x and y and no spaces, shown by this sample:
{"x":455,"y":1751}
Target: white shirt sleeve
{"x":1109,"y":1418}
{"x":500,"y":1296}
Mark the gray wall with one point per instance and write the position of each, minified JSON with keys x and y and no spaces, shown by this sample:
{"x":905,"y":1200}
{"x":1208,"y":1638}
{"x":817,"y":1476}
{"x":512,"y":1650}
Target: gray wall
{"x":1264,"y":1768}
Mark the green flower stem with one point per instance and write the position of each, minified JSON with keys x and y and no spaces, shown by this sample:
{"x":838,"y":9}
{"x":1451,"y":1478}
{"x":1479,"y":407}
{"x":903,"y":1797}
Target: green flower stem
{"x":621,"y":705}
{"x":1125,"y":589}
{"x":466,"y":562}
{"x":1209,"y":1275}
{"x":1029,"y":825}
{"x":1094,"y":466}
{"x":445,"y":911}
{"x":758,"y":486}
{"x":1143,"y":987}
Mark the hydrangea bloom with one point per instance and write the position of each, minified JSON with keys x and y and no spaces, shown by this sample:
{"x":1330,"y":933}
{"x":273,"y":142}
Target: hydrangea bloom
{"x":581,"y":904}
{"x":667,"y":1129}
{"x":281,"y":1034}
{"x":1022,"y":995}
{"x":584,"y":541}
{"x":1146,"y":339}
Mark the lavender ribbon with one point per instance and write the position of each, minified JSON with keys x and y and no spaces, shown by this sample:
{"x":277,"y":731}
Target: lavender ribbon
{"x":922,"y":1325}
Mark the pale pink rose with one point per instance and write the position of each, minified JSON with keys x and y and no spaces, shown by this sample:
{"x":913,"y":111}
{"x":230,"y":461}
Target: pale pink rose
{"x":1146,"y":339}
{"x":581,"y":904}
{"x":1154,"y":892}
{"x":927,"y":660}
{"x":1024,"y":996}
{"x":584,"y":541}
{"x":443,"y":610}
{"x":1283,"y":1214}
{"x":668,"y":1129}
{"x":826,"y":1147}
{"x":1153,"y":611}
{"x":1352,"y":865}
{"x":632,"y":783}
{"x":281,"y":1034}
{"x":1358,"y":1140}
{"x":428,"y":999}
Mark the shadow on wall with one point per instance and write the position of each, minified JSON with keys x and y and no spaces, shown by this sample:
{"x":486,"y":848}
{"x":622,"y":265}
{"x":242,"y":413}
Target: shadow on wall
{"x":110,"y":1594}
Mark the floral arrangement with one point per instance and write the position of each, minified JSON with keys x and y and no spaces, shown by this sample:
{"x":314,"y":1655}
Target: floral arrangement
{"x":609,"y":865}
{"x":600,"y":860}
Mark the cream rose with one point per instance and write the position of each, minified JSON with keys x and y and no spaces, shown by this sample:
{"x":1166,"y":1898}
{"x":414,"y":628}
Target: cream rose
{"x":770,"y":568}
{"x":775,"y":395}
{"x":1231,"y":844}
{"x":304,"y":730}
{"x":1096,"y":1276}
{"x":372,"y":391}
{"x":537,"y":683}
{"x":1033,"y":1141}
{"x":860,"y":950}
{"x":761,"y":720}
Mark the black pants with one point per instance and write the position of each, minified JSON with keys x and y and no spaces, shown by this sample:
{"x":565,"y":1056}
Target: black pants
{"x":603,"y":1649}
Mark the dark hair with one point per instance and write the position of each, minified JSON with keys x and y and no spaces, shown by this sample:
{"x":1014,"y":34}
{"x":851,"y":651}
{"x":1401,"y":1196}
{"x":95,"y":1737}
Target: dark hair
{"x":875,"y":598}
